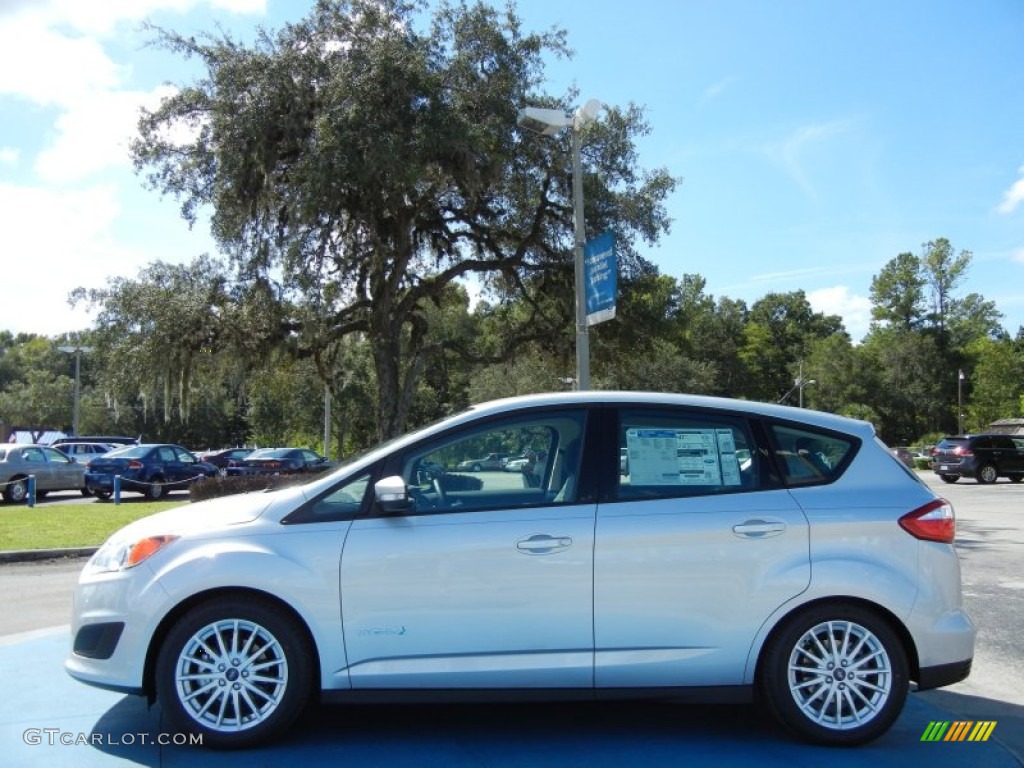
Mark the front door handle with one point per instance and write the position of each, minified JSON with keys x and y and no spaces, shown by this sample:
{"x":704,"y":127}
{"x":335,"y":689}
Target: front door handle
{"x":543,"y":544}
{"x":759,"y":529}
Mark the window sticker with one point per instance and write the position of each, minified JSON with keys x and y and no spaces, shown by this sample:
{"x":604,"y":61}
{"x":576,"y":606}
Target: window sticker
{"x":682,"y":457}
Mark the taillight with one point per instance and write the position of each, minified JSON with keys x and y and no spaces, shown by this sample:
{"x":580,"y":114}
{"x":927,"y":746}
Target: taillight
{"x":134,"y":464}
{"x":962,"y":450}
{"x":273,"y":464}
{"x":935,"y":521}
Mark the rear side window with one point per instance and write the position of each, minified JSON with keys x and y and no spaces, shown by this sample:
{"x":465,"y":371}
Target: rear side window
{"x":808,"y":457}
{"x":672,"y":453}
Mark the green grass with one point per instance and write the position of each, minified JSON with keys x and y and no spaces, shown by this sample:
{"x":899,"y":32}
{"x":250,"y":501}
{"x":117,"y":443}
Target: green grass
{"x":70,"y":525}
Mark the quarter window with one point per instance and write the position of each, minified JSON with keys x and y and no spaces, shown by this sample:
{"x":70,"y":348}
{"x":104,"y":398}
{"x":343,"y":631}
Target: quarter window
{"x":340,"y":503}
{"x":807,"y":457}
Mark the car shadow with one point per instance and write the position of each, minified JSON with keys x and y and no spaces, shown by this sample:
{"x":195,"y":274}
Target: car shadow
{"x":594,"y":735}
{"x":971,"y":536}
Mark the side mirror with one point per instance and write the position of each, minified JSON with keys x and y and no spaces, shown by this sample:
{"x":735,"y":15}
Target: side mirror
{"x":392,"y":495}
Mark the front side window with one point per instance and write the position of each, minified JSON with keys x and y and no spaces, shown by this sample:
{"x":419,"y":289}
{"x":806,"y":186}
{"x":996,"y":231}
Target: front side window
{"x":529,"y":460}
{"x":33,"y":456}
{"x":673,"y":453}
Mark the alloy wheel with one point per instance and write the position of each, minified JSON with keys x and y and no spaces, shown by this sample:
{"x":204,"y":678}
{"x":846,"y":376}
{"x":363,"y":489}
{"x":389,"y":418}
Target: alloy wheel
{"x":840,"y":675}
{"x":231,"y":675}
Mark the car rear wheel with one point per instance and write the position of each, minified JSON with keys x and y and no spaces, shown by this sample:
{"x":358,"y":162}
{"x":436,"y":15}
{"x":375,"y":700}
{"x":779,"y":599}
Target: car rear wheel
{"x":949,"y":478}
{"x":987,"y":474}
{"x":235,"y":670}
{"x":835,"y":674}
{"x":16,"y":491}
{"x":155,"y":490}
{"x":1016,"y":478}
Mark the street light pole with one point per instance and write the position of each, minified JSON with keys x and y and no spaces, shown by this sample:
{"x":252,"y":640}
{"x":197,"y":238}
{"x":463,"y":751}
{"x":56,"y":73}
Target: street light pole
{"x":960,"y":402}
{"x":77,"y":352}
{"x":548,"y":122}
{"x":580,"y":235}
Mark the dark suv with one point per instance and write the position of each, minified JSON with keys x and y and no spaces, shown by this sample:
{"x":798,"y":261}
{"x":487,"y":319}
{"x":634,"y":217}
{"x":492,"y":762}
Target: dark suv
{"x":983,"y":457}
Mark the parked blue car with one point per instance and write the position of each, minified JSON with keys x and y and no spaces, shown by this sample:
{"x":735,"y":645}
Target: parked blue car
{"x":153,"y":470}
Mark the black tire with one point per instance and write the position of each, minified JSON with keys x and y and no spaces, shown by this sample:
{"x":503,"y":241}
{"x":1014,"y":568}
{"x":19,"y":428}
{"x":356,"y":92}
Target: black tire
{"x":17,"y":491}
{"x":949,"y":478}
{"x":102,"y":495}
{"x":1016,"y":478}
{"x":215,"y":696}
{"x":86,"y":492}
{"x":477,"y":468}
{"x":156,"y":489}
{"x":987,"y":474}
{"x":835,"y":674}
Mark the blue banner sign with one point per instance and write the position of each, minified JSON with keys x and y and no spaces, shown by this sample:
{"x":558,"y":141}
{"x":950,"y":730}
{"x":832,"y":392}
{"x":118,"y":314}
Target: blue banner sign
{"x":600,"y":271}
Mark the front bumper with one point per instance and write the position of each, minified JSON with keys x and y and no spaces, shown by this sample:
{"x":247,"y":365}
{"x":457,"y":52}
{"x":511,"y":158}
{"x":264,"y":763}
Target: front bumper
{"x":113,"y":618}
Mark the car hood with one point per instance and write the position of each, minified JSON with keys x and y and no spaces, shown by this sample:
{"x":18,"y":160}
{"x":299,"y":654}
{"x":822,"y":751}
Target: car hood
{"x":202,"y":516}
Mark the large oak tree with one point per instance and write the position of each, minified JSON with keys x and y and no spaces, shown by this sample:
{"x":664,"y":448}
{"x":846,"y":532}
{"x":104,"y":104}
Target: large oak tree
{"x":362,"y":165}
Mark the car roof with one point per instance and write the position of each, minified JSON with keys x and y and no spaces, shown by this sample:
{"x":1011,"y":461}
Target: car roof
{"x":773,"y":410}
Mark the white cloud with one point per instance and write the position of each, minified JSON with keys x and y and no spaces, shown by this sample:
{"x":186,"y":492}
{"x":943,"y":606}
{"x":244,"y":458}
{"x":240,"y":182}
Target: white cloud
{"x":1018,"y":256}
{"x":101,"y":17}
{"x":55,"y":241}
{"x":1014,"y":195}
{"x":93,"y":135}
{"x":47,"y":67}
{"x":715,"y":90}
{"x":9,"y":155}
{"x":789,"y":153}
{"x":855,"y":310}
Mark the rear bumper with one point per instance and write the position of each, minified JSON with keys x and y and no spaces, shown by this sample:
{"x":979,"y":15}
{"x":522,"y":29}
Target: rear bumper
{"x":943,"y":674}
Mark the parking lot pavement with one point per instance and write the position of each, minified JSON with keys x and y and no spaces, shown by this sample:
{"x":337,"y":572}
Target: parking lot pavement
{"x":48,"y":719}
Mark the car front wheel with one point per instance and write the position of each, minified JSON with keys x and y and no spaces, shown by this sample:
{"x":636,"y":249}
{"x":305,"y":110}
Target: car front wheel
{"x":949,"y":478}
{"x":235,"y":671}
{"x":835,"y":675}
{"x":987,"y":474}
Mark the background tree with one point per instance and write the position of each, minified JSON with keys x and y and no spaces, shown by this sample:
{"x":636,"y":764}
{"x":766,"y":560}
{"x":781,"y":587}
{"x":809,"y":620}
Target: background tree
{"x":898,"y":294}
{"x":996,"y":378}
{"x":779,"y":331}
{"x":367,"y":166}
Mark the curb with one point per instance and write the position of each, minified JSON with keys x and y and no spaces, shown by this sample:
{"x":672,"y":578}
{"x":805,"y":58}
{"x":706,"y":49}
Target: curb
{"x":33,"y":555}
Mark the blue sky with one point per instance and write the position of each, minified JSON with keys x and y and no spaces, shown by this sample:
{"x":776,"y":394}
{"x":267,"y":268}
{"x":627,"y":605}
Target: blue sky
{"x":815,"y":140}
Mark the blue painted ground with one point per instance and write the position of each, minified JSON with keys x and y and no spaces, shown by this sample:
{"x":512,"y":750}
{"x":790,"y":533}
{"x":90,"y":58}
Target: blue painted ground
{"x":41,"y":708}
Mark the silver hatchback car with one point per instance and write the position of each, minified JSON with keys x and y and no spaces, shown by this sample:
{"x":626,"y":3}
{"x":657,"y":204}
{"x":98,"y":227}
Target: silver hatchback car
{"x":750,"y":551}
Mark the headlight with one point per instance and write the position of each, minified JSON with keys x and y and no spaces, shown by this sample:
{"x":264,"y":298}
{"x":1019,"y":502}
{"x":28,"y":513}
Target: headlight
{"x":119,"y":555}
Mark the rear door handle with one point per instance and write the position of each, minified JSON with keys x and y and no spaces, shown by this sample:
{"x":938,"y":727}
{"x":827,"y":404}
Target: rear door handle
{"x":759,"y":529}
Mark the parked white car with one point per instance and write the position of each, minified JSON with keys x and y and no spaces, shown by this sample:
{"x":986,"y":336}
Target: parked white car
{"x":725,"y":564}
